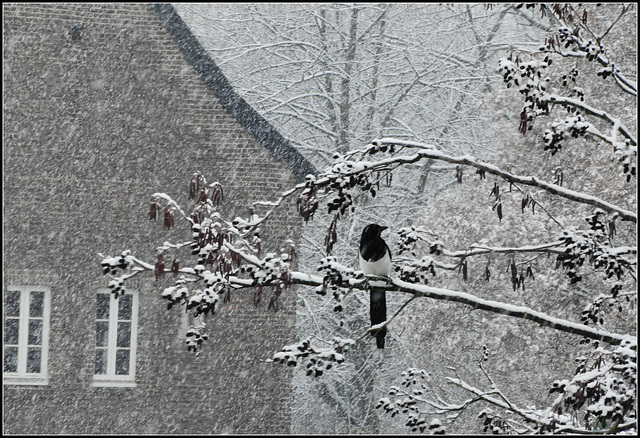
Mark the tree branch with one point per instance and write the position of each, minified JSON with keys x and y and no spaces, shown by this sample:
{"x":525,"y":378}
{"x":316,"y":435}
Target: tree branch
{"x":568,"y":101}
{"x":426,"y":151}
{"x":394,"y":285}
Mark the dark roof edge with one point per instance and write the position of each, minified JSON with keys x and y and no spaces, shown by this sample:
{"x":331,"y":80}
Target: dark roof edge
{"x":244,"y":113}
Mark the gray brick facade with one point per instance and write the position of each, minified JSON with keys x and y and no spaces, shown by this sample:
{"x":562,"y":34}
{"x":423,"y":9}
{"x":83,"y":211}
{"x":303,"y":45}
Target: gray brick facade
{"x":105,"y":104}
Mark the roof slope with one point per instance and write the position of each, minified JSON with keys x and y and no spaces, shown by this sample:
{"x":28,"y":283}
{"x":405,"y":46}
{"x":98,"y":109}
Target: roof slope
{"x":216,"y":81}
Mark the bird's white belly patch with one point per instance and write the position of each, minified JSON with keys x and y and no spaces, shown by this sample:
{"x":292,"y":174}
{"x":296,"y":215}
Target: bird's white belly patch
{"x":379,"y":267}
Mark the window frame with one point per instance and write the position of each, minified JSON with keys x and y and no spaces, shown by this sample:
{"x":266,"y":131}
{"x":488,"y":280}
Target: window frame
{"x":21,"y":376}
{"x":110,"y":378}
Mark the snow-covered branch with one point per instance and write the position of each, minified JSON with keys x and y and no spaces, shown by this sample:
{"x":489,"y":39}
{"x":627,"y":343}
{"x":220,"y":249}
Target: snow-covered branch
{"x":536,"y":80}
{"x":599,"y":399}
{"x":615,"y":123}
{"x":274,"y":271}
{"x":430,"y":152}
{"x":576,"y":35}
{"x":505,"y":309}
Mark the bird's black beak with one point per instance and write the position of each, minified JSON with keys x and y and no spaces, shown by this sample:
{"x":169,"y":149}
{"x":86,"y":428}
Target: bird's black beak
{"x":382,"y":228}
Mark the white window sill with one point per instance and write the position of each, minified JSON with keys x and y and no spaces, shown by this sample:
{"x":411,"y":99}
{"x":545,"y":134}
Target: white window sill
{"x":113,"y":383}
{"x":8,"y":379}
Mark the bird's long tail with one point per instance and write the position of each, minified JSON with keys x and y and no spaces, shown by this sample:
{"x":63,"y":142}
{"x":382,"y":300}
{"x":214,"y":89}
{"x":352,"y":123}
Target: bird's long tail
{"x":378,"y":312}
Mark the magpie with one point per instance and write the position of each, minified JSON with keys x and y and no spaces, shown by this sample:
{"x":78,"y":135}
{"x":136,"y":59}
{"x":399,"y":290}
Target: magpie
{"x":375,"y":259}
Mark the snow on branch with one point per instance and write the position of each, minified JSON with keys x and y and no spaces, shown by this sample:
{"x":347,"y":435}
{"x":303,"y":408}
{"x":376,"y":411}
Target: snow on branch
{"x":575,"y":37}
{"x":505,"y":309}
{"x":598,"y":399}
{"x":274,"y":271}
{"x":533,"y":79}
{"x":430,"y":152}
{"x":409,"y":236}
{"x":319,"y":359}
{"x":572,"y":249}
{"x":614,"y":122}
{"x":346,"y":277}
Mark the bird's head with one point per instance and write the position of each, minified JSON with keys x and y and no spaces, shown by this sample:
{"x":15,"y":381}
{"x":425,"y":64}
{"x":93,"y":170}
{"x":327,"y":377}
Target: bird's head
{"x":373,"y":230}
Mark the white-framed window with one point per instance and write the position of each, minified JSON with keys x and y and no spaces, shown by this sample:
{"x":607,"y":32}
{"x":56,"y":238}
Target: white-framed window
{"x":25,"y":351}
{"x":116,"y":339}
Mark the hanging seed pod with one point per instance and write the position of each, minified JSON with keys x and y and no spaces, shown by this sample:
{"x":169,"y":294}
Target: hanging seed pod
{"x":217,"y":194}
{"x":235,"y":259}
{"x":203,"y":196}
{"x":332,"y":235}
{"x":193,"y":188}
{"x":225,"y":268}
{"x":525,"y":202}
{"x":168,"y":218}
{"x":210,"y":260}
{"x":530,"y":273}
{"x":523,"y":122}
{"x":153,"y":210}
{"x":257,"y":295}
{"x":496,"y":190}
{"x":159,"y":268}
{"x":273,"y":304}
{"x":196,"y":181}
{"x":559,"y":177}
{"x":175,"y":267}
{"x":514,"y":274}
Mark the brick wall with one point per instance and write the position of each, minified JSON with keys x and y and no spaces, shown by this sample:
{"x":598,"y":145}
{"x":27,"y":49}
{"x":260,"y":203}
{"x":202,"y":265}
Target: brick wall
{"x":96,"y":121}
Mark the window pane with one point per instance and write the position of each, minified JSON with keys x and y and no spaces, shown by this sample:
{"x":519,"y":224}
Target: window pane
{"x":33,"y":360}
{"x":124,"y":307}
{"x":35,"y":332}
{"x":36,"y":305}
{"x":101,"y":362}
{"x":12,"y":303}
{"x":124,"y":334}
{"x":10,"y":359}
{"x":102,"y":308}
{"x":11,"y":331}
{"x":122,"y":362}
{"x":102,"y":333}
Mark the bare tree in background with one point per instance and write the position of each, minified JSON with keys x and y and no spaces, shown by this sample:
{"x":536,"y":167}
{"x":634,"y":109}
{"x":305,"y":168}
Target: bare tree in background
{"x":330,"y":76}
